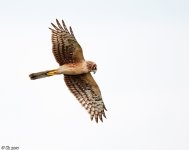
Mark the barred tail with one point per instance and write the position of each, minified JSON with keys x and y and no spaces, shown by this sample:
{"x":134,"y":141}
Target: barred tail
{"x":42,"y":74}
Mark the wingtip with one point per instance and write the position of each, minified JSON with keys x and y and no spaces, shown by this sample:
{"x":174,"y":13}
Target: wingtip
{"x":57,"y":21}
{"x":105,"y":108}
{"x":63,"y":21}
{"x":71,"y":29}
{"x":104,"y":114}
{"x":101,"y":119}
{"x":96,"y":119}
{"x":54,"y":26}
{"x":92,"y":118}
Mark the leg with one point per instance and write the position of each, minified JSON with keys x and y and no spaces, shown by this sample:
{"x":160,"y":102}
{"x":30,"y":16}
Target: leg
{"x":52,"y":72}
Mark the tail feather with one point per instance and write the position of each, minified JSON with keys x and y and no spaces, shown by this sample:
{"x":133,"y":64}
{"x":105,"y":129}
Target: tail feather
{"x":39,"y":75}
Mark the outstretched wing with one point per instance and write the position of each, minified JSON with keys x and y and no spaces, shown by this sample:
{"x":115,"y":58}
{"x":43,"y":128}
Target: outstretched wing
{"x":86,"y":90}
{"x":64,"y":45}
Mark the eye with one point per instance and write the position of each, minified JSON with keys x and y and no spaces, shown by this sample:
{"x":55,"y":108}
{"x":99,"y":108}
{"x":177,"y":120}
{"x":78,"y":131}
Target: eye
{"x":94,"y":67}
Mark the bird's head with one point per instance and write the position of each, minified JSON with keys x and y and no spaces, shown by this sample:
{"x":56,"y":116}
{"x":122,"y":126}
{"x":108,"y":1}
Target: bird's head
{"x":92,"y":67}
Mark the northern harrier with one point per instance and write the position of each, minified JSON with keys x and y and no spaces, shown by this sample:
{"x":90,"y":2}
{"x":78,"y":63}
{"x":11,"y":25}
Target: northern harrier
{"x":76,"y":70}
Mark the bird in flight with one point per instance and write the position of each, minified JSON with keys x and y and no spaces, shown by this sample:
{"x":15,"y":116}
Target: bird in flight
{"x":76,"y":70}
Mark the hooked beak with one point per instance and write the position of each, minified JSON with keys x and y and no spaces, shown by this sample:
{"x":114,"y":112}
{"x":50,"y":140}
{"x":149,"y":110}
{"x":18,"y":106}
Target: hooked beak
{"x":94,"y":71}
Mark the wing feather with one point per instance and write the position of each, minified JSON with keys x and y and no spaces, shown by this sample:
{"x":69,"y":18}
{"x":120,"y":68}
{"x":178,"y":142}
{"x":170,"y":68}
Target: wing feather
{"x":64,"y":45}
{"x":87,"y":92}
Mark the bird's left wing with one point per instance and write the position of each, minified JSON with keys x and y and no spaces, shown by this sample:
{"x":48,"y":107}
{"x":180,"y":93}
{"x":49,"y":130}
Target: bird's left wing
{"x":86,"y":90}
{"x":64,"y":45}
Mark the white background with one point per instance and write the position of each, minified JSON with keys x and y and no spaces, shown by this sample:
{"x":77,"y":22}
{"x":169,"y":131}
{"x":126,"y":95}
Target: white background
{"x":142,"y":52}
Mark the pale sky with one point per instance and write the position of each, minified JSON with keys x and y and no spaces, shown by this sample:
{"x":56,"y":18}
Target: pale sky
{"x":142,"y":52}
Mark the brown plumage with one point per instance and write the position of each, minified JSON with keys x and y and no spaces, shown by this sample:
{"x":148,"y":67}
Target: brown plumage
{"x":68,"y":53}
{"x":65,"y":47}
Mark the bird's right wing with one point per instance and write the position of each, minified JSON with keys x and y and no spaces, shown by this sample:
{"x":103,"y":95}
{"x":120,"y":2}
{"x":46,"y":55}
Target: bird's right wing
{"x":86,"y":90}
{"x":64,"y":45}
